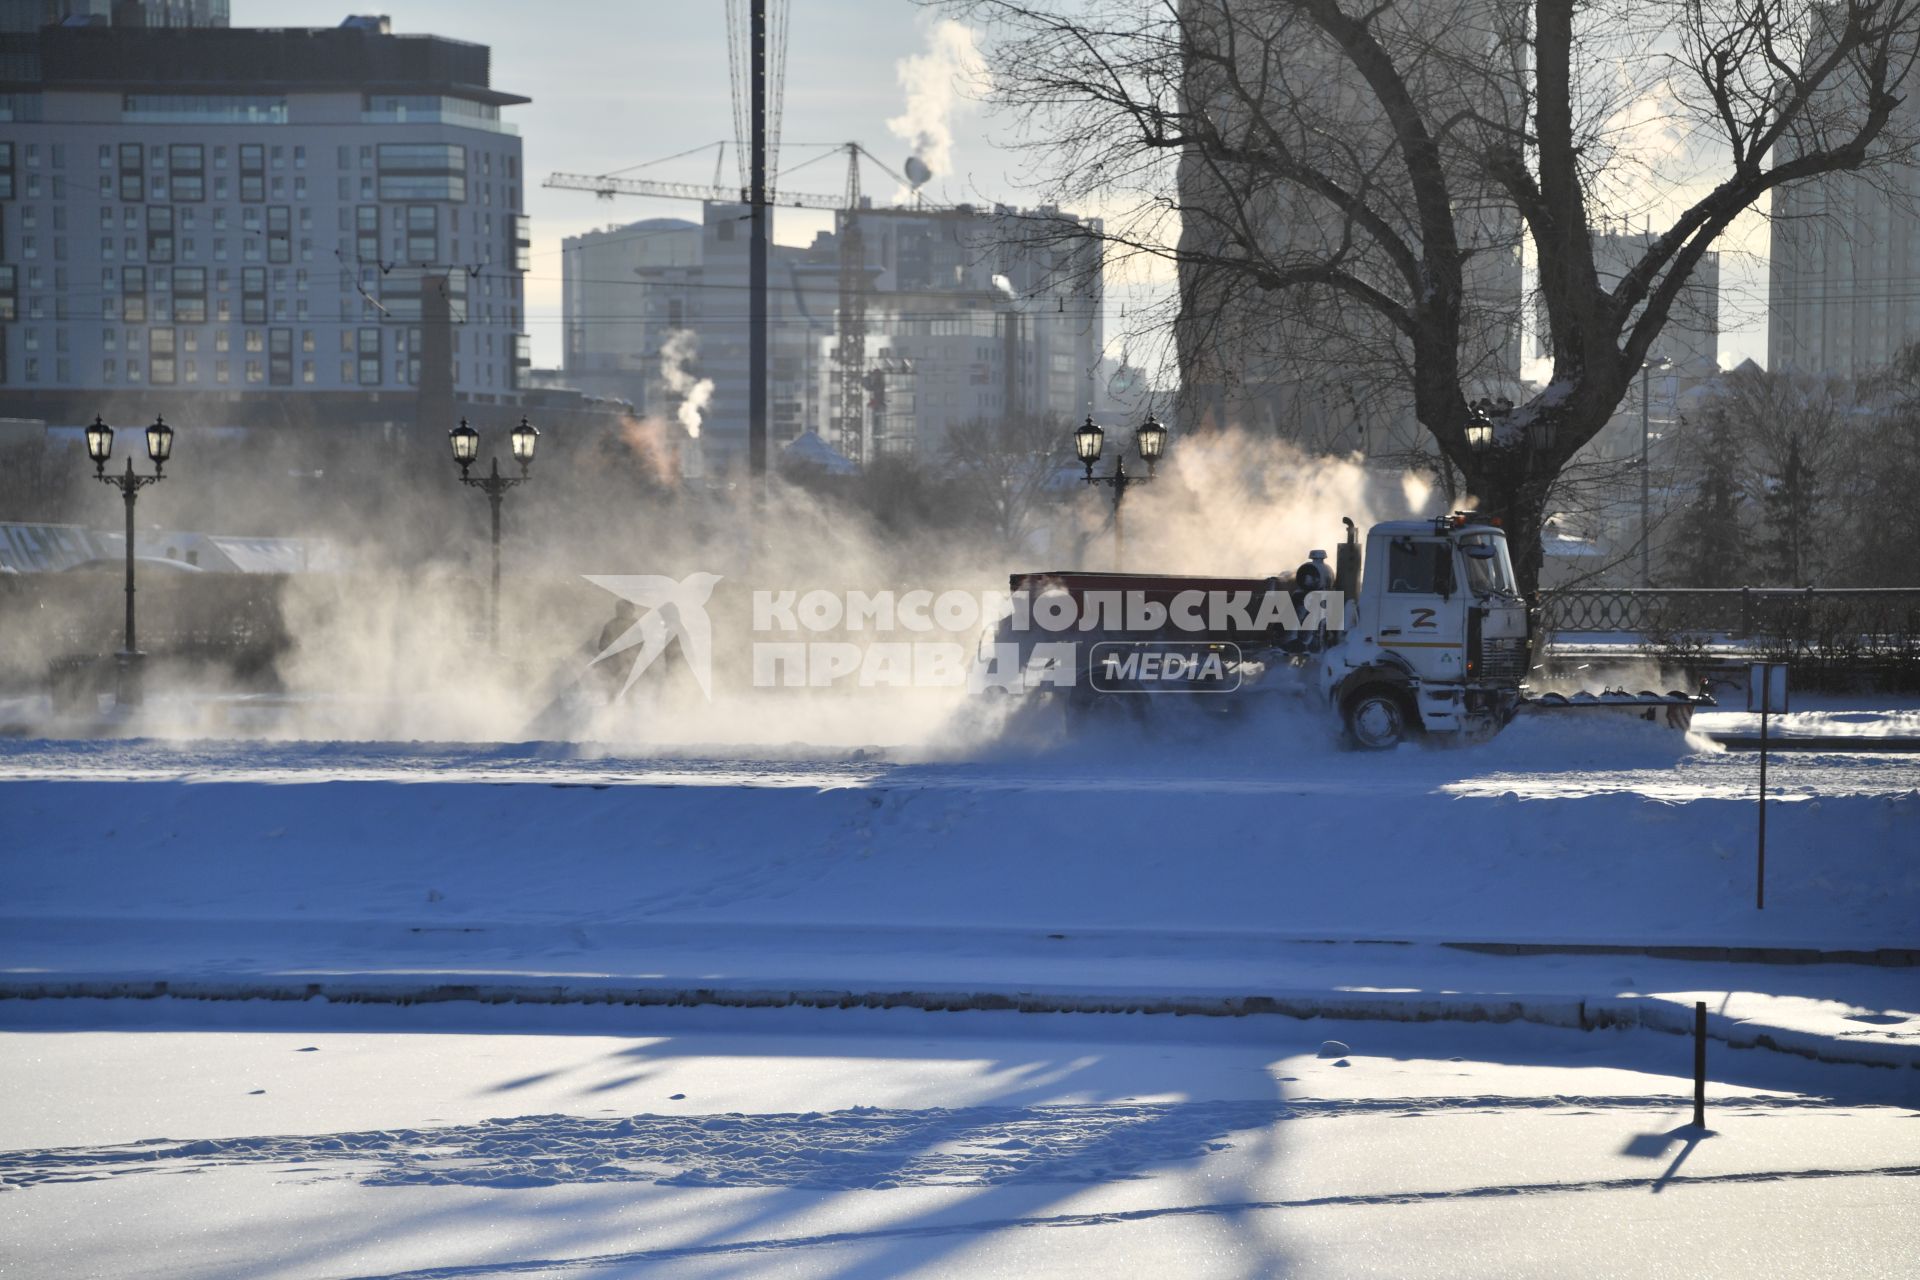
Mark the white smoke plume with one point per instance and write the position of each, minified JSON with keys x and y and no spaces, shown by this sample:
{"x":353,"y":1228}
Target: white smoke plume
{"x":676,"y":354}
{"x":936,"y":82}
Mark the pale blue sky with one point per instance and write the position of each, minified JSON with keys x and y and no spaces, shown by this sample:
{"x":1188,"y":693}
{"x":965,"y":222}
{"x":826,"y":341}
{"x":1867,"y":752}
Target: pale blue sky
{"x":616,"y":83}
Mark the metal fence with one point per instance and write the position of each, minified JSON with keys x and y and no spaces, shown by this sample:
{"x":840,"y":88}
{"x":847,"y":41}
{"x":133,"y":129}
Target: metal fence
{"x":1736,"y":613}
{"x":54,"y":620}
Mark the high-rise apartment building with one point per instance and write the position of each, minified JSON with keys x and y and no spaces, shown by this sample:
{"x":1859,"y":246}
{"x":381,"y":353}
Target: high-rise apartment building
{"x":31,"y":15}
{"x":238,"y":225}
{"x":1315,"y":361}
{"x":1843,"y":272}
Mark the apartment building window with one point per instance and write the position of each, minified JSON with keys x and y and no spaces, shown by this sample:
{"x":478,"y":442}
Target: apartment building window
{"x":132,"y":174}
{"x":133,"y":295}
{"x":423,"y":233}
{"x":254,"y":373}
{"x":253,"y":295}
{"x":280,"y":357}
{"x":188,"y":162}
{"x":423,"y":171}
{"x":190,"y":295}
{"x":159,"y":233}
{"x":220,"y":371}
{"x":279,"y":234}
{"x":253,"y":178}
{"x":369,"y":353}
{"x":160,"y":367}
{"x":367,"y":233}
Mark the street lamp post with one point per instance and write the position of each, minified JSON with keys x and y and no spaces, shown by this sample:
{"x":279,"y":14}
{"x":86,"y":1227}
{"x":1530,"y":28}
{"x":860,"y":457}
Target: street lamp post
{"x":466,"y":447}
{"x":159,"y":449}
{"x":1088,"y":440}
{"x":1646,"y":471}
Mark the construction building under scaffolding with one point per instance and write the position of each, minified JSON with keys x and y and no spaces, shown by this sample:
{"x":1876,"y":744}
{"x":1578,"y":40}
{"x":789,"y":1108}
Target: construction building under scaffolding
{"x":960,"y":313}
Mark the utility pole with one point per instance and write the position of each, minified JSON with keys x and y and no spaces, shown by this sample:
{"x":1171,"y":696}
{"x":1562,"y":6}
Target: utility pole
{"x":757,"y":262}
{"x":1646,"y":468}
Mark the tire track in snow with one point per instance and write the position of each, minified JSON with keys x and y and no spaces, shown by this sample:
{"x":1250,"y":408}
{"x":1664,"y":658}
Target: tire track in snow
{"x":1121,"y":1217}
{"x":866,"y":1148}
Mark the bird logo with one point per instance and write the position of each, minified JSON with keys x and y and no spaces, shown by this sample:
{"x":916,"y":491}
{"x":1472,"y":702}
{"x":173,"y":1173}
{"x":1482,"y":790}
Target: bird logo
{"x":669,"y":611}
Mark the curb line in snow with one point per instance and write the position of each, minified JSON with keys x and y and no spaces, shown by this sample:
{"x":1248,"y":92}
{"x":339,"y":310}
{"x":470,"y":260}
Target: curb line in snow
{"x":1570,"y":1011}
{"x":1881,"y":957}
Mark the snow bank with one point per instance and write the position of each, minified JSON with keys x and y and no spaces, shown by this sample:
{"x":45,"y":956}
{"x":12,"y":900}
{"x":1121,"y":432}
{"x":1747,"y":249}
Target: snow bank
{"x":1333,"y":854}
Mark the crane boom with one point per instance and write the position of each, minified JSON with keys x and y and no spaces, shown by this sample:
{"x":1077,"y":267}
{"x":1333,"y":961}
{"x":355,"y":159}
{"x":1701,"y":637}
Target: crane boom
{"x":607,"y":188}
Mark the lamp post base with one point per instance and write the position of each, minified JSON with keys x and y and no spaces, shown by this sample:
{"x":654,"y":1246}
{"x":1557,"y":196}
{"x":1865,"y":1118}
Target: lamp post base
{"x":130,"y":680}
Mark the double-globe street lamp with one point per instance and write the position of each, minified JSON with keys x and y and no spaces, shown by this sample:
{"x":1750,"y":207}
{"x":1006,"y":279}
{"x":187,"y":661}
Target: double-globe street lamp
{"x":466,"y":448}
{"x":1150,"y":439}
{"x":159,"y":449}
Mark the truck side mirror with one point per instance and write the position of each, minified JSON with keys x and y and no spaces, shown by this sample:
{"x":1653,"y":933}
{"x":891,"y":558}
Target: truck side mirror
{"x":1443,"y":573}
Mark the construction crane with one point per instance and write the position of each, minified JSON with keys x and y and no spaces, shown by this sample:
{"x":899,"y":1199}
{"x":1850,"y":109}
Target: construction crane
{"x":850,"y":355}
{"x":607,"y":188}
{"x":850,"y":349}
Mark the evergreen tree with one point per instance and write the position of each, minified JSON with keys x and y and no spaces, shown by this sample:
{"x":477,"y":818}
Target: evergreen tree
{"x":1711,"y":538}
{"x":1788,"y":514}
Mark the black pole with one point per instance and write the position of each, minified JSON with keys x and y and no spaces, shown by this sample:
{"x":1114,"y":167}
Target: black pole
{"x":129,"y":491}
{"x":495,"y":493}
{"x":1760,"y":875}
{"x":757,"y":263}
{"x":1700,"y":1064}
{"x":1646,"y":481}
{"x":1120,"y":478}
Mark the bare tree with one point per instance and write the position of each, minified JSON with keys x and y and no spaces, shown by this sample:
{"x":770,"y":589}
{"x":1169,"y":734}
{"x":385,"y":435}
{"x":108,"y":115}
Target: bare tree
{"x":1334,"y":174}
{"x":1004,"y":466}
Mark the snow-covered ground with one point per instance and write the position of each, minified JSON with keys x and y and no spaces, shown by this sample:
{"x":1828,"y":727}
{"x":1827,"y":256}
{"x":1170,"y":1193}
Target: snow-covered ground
{"x":1575,"y":830}
{"x":468,"y":1141}
{"x":1173,"y":865}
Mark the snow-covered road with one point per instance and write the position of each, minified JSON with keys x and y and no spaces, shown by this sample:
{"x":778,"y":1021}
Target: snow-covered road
{"x":1538,"y":758}
{"x":466,"y":1141}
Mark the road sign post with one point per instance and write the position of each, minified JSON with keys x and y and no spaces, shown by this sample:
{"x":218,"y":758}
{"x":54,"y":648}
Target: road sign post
{"x":1767,"y":694}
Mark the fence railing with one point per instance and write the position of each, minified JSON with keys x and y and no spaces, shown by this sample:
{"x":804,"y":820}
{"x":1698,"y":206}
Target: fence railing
{"x":1737,"y":613}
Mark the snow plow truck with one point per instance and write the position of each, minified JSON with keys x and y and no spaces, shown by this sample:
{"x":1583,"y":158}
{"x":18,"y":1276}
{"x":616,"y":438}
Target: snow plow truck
{"x":1421,"y":632}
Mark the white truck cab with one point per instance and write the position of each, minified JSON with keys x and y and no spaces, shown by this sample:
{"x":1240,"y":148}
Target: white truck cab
{"x":1436,"y":636}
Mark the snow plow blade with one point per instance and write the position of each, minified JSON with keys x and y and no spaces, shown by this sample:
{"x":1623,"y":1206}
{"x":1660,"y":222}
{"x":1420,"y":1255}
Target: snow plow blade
{"x":1678,"y":706}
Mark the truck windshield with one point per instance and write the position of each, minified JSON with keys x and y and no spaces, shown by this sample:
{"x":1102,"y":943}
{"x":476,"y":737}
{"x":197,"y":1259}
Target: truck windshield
{"x":1488,"y":575}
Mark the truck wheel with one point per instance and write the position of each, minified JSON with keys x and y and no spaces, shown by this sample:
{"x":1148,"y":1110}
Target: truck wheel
{"x":1376,"y":719}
